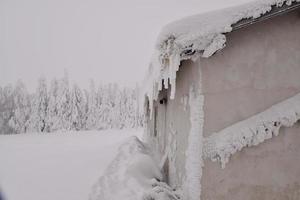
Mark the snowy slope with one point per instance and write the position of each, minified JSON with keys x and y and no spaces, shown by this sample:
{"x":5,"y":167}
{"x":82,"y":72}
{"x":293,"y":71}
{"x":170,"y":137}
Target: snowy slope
{"x":60,"y":166}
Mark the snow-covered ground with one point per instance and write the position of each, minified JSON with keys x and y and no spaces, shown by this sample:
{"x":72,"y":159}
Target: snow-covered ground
{"x":60,"y":166}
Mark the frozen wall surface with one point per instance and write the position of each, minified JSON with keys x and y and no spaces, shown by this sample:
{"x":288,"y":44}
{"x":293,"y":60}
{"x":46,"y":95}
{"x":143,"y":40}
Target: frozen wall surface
{"x":175,"y":131}
{"x":268,"y":171}
{"x":259,"y":67}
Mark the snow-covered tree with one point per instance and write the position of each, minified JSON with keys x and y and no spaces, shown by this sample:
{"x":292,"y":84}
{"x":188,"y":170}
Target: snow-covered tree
{"x":63,"y":103}
{"x":39,"y":108}
{"x":52,"y":109}
{"x":77,"y":109}
{"x":102,"y":108}
{"x":117,"y":111}
{"x":19,"y":120}
{"x":6,"y":109}
{"x":92,"y":119}
{"x":105,"y":107}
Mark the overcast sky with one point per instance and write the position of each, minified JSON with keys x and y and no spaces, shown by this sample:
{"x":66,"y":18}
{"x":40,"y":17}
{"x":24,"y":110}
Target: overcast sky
{"x":107,"y":40}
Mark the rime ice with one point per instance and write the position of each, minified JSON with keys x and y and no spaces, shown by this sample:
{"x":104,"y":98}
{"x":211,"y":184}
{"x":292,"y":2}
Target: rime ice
{"x":199,"y":35}
{"x":253,"y":131}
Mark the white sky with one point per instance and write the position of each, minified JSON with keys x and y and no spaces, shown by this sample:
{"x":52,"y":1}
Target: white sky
{"x":107,"y":40}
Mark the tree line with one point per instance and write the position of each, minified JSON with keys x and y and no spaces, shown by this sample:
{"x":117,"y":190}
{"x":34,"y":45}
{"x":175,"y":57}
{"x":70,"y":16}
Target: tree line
{"x":61,"y":107}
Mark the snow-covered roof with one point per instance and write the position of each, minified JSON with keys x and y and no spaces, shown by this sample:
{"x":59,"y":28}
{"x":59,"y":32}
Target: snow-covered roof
{"x":202,"y":35}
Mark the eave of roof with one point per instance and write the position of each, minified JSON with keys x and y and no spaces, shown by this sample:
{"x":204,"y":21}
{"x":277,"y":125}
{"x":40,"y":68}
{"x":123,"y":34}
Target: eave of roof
{"x":276,"y":11}
{"x":273,"y":13}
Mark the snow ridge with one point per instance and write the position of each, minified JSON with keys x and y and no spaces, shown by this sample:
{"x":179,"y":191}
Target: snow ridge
{"x":194,"y":36}
{"x":133,"y":175}
{"x":252,"y":131}
{"x":130,"y":174}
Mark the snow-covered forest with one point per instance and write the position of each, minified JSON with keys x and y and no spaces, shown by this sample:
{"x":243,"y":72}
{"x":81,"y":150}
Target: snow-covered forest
{"x":62,"y":106}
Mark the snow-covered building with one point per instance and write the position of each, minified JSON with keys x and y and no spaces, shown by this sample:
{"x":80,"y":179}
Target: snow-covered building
{"x":221,"y":84}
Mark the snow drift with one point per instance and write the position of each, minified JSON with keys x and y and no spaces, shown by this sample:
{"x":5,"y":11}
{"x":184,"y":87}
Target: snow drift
{"x":133,"y":175}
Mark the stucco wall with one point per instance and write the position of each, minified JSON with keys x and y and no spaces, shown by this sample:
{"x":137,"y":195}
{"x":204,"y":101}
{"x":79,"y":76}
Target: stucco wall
{"x":259,"y":67}
{"x":268,"y":171}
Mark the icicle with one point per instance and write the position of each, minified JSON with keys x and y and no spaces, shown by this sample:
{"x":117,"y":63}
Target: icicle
{"x":166,"y":82}
{"x":160,"y":83}
{"x":173,"y":88}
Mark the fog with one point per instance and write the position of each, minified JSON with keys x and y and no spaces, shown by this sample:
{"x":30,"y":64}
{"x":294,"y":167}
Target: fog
{"x":106,"y":40}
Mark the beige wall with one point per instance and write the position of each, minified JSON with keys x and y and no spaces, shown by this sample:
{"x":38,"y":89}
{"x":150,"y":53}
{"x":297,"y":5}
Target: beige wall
{"x":259,"y":67}
{"x":269,"y":171}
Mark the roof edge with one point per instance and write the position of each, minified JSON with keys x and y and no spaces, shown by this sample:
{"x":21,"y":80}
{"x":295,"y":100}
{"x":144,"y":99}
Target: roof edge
{"x":275,"y":11}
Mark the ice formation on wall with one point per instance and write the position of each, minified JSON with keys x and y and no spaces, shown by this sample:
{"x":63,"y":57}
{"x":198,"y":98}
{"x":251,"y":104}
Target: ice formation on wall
{"x":194,"y":36}
{"x":194,"y":163}
{"x":252,"y":131}
{"x":172,"y":144}
{"x":169,"y":156}
{"x":161,"y":191}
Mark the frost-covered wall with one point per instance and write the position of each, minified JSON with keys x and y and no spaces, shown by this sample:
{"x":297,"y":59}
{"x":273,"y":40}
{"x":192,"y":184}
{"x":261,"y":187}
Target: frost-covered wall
{"x":259,"y":68}
{"x":177,"y":119}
